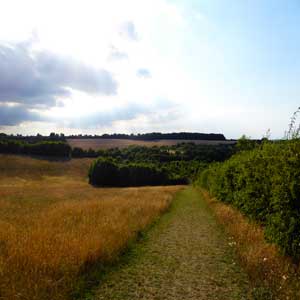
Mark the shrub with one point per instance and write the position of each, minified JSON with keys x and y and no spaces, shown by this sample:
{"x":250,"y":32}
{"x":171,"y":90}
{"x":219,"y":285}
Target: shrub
{"x":104,"y":172}
{"x":60,"y":149}
{"x":264,"y":184}
{"x":107,"y":172}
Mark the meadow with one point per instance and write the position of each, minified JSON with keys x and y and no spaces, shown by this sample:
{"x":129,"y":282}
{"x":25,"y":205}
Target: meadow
{"x":54,"y":226}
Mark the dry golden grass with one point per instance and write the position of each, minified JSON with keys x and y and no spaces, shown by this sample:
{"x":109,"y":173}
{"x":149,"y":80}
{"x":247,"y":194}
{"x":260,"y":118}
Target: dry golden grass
{"x":97,"y":144}
{"x":34,"y":168}
{"x":54,"y":226}
{"x":261,"y":260}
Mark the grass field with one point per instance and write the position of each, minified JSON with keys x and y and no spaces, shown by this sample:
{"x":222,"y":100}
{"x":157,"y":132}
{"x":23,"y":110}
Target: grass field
{"x":97,"y":144}
{"x":54,"y":226}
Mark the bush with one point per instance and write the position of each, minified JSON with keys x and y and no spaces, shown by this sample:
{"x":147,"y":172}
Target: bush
{"x":264,"y":184}
{"x":107,"y":172}
{"x":60,"y":149}
{"x":104,"y":172}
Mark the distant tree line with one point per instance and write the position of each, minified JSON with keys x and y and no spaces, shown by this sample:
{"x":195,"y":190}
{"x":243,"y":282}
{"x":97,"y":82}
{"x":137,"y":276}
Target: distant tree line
{"x":143,"y":137}
{"x":33,"y":138}
{"x":43,"y":148}
{"x":157,"y":136}
{"x":179,"y":152}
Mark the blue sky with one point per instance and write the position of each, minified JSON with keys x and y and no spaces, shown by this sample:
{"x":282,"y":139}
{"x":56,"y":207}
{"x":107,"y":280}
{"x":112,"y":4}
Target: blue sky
{"x":141,"y":66}
{"x":252,"y":57}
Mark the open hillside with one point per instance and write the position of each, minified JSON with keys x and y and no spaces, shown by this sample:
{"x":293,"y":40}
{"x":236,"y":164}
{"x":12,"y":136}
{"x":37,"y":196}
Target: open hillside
{"x":55,"y":227}
{"x":97,"y":144}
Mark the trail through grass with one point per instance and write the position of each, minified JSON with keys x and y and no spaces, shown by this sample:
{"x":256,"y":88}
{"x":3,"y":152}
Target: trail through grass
{"x":186,"y":255}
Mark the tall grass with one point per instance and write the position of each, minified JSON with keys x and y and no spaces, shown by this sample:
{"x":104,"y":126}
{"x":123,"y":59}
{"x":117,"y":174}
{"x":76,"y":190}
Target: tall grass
{"x":54,"y":226}
{"x":293,"y":131}
{"x":33,"y":168}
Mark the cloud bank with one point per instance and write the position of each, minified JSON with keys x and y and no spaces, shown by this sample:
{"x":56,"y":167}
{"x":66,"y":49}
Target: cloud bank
{"x":11,"y":115}
{"x":38,"y":78}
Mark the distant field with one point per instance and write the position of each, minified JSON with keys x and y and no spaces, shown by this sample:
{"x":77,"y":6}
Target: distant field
{"x":97,"y":144}
{"x":54,"y":226}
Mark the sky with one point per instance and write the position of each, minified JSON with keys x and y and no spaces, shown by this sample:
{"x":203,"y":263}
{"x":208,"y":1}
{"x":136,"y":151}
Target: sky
{"x":136,"y":66}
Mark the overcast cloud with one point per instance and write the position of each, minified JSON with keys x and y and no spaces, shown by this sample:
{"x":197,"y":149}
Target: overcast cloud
{"x":16,"y":114}
{"x":38,"y":78}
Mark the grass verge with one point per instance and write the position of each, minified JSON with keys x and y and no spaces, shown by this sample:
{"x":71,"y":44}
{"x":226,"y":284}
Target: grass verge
{"x":273,"y":275}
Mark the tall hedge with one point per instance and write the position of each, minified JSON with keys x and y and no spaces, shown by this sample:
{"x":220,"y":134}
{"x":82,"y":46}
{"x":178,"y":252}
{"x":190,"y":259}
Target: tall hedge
{"x":107,"y":172}
{"x":264,"y":184}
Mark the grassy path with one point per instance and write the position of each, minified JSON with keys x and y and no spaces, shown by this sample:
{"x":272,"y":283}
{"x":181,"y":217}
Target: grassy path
{"x":184,"y":256}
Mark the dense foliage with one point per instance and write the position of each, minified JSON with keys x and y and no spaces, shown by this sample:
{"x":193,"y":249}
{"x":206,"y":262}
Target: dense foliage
{"x":107,"y":172}
{"x":179,"y":152}
{"x":45,"y":148}
{"x":264,"y":183}
{"x":181,"y":162}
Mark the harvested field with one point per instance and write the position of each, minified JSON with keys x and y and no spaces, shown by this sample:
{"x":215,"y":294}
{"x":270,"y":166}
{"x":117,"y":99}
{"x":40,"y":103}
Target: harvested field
{"x":97,"y":144}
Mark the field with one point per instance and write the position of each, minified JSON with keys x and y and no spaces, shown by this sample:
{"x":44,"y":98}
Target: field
{"x":54,"y":227}
{"x":97,"y":144}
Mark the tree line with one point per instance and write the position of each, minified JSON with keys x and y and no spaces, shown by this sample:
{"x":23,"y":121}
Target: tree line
{"x":140,"y":136}
{"x":167,"y":136}
{"x":33,"y":138}
{"x":179,"y":152}
{"x":42,"y":148}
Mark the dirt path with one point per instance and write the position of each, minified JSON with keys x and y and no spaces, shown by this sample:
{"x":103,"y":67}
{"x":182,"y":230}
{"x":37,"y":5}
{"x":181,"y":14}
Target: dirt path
{"x":184,"y":256}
